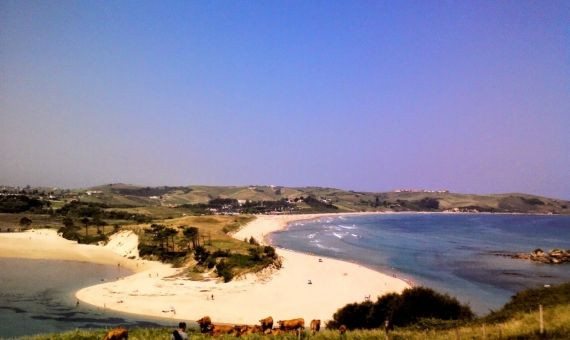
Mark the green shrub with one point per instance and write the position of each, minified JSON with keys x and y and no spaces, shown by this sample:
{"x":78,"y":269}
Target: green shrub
{"x":201,"y":254}
{"x":403,"y":309}
{"x":529,"y":299}
{"x":224,"y":271}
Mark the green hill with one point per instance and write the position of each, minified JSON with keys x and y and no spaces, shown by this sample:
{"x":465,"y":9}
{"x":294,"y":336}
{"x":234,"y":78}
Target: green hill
{"x":122,"y":195}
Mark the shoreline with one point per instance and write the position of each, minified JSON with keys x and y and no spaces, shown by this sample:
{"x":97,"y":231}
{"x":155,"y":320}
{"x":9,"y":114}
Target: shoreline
{"x":155,"y":290}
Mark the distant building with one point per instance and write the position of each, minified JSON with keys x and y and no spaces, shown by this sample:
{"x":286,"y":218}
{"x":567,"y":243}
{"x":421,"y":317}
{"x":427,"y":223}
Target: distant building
{"x":422,"y":190}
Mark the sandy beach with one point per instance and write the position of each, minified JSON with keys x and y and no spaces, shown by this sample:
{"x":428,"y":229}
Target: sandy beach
{"x":155,"y":289}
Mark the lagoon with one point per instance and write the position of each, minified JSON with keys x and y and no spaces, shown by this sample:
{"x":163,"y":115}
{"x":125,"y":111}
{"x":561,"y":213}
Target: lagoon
{"x":37,"y":296}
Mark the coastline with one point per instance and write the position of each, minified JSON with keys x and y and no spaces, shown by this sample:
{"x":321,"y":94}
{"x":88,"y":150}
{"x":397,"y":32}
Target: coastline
{"x":156,"y":290}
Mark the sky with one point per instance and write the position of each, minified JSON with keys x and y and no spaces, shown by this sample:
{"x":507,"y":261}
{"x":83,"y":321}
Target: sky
{"x":469,"y":96}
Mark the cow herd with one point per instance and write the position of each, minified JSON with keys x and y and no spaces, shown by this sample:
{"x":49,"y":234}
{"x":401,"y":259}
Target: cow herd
{"x":265,"y":327}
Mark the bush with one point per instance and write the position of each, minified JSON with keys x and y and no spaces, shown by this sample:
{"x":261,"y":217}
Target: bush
{"x":270,"y":252}
{"x":224,"y":271}
{"x":20,"y":203}
{"x":93,"y":238}
{"x":411,"y":306}
{"x":428,"y":203}
{"x":221,"y":253}
{"x":255,"y":254}
{"x":528,"y":300}
{"x":210,"y":262}
{"x":201,"y":254}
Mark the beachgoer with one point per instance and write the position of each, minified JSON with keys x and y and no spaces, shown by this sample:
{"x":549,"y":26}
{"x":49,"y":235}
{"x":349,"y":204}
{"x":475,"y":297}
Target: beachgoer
{"x":77,"y":304}
{"x":212,"y":296}
{"x":180,"y":333}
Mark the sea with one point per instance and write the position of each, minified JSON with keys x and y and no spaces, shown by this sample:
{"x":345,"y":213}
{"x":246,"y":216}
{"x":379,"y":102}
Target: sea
{"x":37,"y":296}
{"x":451,"y":253}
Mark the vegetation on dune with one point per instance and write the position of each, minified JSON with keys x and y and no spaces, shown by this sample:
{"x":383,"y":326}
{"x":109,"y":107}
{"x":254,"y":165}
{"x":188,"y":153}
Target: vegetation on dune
{"x":528,"y":300}
{"x":413,"y":305}
{"x":201,"y":244}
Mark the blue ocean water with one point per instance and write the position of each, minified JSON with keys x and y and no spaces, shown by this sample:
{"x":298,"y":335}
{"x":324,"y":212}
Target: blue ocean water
{"x":37,"y":296}
{"x":452,"y":253}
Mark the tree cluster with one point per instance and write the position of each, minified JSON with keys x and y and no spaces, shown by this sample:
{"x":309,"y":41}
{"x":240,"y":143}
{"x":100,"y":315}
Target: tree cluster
{"x":413,"y":305}
{"x":21,"y":203}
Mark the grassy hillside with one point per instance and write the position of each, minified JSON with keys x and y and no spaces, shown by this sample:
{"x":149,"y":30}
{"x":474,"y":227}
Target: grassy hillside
{"x":348,"y":201}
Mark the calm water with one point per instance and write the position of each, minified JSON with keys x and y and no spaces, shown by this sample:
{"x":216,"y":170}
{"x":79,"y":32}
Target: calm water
{"x":450,"y":253}
{"x":37,"y":296}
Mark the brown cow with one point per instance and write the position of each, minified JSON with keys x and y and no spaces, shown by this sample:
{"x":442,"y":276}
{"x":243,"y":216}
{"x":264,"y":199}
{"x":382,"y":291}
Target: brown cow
{"x":117,"y":334}
{"x":266,"y":323}
{"x":247,"y":329}
{"x":275,"y":331}
{"x":315,"y":326}
{"x":293,"y":324}
{"x":342,"y":329}
{"x":206,"y":326}
{"x":222,"y":329}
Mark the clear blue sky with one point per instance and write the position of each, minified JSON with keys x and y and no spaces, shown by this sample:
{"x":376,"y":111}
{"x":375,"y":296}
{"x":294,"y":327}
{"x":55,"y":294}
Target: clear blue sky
{"x":472,"y":96}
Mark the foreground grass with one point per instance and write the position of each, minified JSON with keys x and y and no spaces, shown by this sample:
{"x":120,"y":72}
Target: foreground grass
{"x":520,"y":326}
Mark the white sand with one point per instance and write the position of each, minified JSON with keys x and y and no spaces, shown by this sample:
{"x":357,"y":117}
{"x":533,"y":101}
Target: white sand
{"x":282,"y":294}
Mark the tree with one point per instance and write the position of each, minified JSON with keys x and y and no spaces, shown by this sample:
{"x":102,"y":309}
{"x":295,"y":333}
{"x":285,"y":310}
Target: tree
{"x":25,"y":222}
{"x":68,"y":222}
{"x":69,"y":230}
{"x":201,"y":254}
{"x":86,"y":223}
{"x":157,"y":234}
{"x":192,"y":234}
{"x":169,"y":233}
{"x":98,"y":222}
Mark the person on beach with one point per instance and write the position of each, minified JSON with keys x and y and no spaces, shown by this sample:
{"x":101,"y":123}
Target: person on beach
{"x":180,"y":333}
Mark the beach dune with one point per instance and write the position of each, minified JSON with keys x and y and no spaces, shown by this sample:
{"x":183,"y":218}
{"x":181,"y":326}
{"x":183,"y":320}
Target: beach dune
{"x":156,"y":289}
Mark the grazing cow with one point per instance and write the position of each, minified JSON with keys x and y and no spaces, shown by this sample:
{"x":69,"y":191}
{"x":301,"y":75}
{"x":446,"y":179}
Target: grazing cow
{"x":342,"y":329}
{"x":266,"y":323}
{"x":222,"y":329}
{"x":275,"y":331}
{"x":206,"y":326}
{"x":315,"y":326}
{"x":293,"y":324}
{"x":240,"y":330}
{"x":117,"y":334}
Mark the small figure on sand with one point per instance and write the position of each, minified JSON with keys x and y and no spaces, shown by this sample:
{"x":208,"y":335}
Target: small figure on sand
{"x":77,"y":304}
{"x":212,"y":296}
{"x":309,"y":282}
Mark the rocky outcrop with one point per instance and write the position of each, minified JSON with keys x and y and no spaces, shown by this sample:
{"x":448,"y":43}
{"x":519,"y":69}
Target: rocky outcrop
{"x":555,"y":256}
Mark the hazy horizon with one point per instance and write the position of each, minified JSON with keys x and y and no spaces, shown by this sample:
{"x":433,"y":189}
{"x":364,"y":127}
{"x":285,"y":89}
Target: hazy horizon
{"x":472,"y":97}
